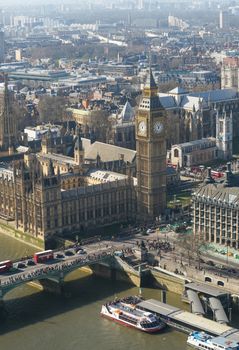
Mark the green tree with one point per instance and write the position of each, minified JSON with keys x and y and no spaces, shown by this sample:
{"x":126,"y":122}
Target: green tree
{"x":191,"y":247}
{"x":52,"y":108}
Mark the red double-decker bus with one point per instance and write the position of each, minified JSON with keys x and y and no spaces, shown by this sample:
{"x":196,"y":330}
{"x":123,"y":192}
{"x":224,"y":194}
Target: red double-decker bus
{"x":5,"y":265}
{"x":217,"y":174}
{"x":43,"y":256}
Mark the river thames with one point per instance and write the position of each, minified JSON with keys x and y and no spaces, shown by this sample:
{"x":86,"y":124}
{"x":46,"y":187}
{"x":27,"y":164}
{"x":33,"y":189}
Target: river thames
{"x":38,"y":320}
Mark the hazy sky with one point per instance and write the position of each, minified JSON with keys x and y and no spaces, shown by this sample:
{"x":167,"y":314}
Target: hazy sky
{"x":5,"y":3}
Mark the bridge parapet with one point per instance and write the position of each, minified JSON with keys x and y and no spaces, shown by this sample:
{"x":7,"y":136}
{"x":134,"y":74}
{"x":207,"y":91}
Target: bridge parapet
{"x":55,"y":271}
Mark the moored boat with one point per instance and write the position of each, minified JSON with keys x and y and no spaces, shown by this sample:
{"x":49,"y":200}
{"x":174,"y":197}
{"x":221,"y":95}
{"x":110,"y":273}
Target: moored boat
{"x":125,"y":311}
{"x":204,"y":341}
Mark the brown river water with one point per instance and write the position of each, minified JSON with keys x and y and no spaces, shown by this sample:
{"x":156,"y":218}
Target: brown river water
{"x":37,"y":320}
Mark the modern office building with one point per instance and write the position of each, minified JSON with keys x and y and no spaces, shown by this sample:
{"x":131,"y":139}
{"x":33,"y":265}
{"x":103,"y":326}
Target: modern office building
{"x":224,"y":19}
{"x":2,"y":46}
{"x":215,"y":210}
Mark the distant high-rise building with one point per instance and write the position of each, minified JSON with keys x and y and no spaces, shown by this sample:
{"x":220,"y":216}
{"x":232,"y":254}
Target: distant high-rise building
{"x":18,"y":55}
{"x":2,"y":49}
{"x":223,"y":19}
{"x":129,"y":20}
{"x":140,"y":4}
{"x":1,"y":18}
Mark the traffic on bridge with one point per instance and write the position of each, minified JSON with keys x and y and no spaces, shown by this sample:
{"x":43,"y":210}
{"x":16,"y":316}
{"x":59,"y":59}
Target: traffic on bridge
{"x":53,"y":264}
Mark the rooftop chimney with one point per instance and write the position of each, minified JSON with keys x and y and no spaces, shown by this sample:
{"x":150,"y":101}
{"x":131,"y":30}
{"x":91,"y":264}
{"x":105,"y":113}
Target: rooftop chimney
{"x":227,"y":178}
{"x":208,"y":178}
{"x":229,"y":167}
{"x":228,"y":175}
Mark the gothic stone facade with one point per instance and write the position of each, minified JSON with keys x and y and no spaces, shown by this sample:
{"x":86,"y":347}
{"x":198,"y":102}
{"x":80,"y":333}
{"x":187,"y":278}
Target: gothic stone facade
{"x":42,"y":206}
{"x":194,"y":116}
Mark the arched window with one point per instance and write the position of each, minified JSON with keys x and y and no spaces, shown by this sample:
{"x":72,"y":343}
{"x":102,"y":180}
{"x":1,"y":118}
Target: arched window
{"x":175,"y":153}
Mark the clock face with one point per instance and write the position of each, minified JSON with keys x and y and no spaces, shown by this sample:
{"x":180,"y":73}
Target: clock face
{"x":142,"y":128}
{"x":158,"y":127}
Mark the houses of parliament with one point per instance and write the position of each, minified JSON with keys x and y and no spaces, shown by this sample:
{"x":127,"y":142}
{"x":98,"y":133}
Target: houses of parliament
{"x":50,"y":193}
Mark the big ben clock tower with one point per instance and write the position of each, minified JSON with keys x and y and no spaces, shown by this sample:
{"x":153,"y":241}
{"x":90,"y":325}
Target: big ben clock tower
{"x":151,"y":152}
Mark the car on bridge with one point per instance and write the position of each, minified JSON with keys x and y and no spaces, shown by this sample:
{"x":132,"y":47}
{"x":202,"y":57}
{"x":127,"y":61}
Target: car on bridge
{"x":21,"y":265}
{"x":150,"y":230}
{"x":59,"y":256}
{"x":69,"y":253}
{"x":31,"y":263}
{"x":5,"y":266}
{"x":81,"y":252}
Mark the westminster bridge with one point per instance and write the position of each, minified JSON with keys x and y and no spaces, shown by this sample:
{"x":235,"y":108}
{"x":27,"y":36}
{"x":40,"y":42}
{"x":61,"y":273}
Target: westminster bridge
{"x":102,"y":259}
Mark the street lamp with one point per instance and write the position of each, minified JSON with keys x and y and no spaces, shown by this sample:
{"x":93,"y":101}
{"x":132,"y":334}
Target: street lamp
{"x":228,"y":243}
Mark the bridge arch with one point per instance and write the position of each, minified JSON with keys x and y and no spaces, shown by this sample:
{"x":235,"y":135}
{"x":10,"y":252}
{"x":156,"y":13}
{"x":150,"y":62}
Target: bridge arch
{"x":220,"y":283}
{"x":7,"y":289}
{"x":208,"y":279}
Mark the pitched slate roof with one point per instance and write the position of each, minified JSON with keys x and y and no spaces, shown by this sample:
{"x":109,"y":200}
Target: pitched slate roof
{"x":216,"y":95}
{"x":192,"y":102}
{"x":107,"y":152}
{"x":178,"y":91}
{"x":127,"y":113}
{"x":195,"y":100}
{"x":218,"y":192}
{"x":167,"y":101}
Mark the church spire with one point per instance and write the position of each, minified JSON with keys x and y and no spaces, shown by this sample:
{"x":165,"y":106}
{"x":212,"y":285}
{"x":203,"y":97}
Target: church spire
{"x":150,"y":82}
{"x":150,"y":100}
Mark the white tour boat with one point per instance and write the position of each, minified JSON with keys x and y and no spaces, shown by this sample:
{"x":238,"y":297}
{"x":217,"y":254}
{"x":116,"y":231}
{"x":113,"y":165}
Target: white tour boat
{"x":124,"y":312}
{"x":204,"y":341}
